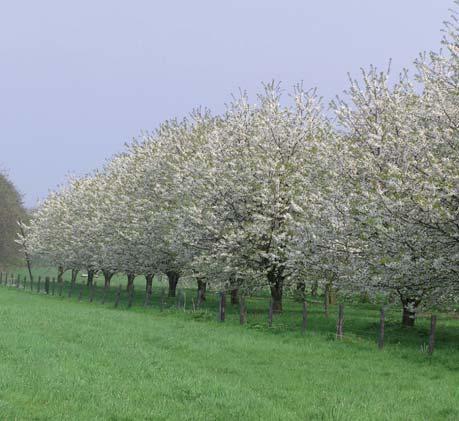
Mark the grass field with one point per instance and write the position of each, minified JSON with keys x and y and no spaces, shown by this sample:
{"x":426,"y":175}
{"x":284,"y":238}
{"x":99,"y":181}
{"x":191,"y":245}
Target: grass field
{"x":64,"y":359}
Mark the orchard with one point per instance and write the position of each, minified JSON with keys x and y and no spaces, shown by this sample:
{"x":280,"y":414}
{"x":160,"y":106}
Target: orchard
{"x":283,"y":194}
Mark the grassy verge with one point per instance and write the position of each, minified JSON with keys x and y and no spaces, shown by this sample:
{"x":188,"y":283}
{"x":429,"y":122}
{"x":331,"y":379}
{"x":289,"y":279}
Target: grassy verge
{"x":361,"y":320}
{"x":60,"y":359}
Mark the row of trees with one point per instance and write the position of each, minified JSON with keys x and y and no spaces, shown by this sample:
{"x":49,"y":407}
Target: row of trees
{"x":278,"y":195}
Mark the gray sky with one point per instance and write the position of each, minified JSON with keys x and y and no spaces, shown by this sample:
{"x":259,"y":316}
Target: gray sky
{"x":80,"y":78}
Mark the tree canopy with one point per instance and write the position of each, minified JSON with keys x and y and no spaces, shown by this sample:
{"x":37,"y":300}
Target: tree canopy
{"x":11,"y":211}
{"x":277,"y":194}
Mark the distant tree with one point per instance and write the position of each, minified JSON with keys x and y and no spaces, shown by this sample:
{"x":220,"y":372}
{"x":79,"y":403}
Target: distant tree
{"x":11,"y":211}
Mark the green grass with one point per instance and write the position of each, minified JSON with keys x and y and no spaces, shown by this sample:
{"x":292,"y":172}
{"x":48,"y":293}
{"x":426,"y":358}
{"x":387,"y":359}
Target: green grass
{"x":361,"y":320}
{"x":64,"y":359}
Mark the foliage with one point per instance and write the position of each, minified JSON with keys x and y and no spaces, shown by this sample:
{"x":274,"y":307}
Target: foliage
{"x":11,"y":211}
{"x":274,"y":194}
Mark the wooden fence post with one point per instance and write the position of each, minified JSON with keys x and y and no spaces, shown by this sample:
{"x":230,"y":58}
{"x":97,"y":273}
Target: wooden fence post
{"x":270,"y":314}
{"x":118,"y":296}
{"x":433,"y":326}
{"x":145,"y":303}
{"x":182,"y":298}
{"x":222,"y":306}
{"x":70,"y":292}
{"x":177,"y":299}
{"x":47,"y":285}
{"x":161,"y":300}
{"x":305,"y":317}
{"x":149,"y":296}
{"x":340,"y":323}
{"x":91,"y":291}
{"x":242,"y":310}
{"x":104,"y":294}
{"x":199,"y":298}
{"x":131,"y":296}
{"x":381,"y":329}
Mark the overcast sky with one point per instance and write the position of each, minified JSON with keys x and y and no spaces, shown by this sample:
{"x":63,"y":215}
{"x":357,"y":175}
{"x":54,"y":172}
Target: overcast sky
{"x":78,"y":79}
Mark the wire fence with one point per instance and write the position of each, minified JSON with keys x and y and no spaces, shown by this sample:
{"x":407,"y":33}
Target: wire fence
{"x":350,"y":322}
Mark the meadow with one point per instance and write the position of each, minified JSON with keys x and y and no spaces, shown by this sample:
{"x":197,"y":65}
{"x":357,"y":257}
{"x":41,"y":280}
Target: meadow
{"x":61,"y":358}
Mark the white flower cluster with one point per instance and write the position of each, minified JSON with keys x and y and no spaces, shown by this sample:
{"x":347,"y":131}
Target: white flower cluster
{"x":275,"y":194}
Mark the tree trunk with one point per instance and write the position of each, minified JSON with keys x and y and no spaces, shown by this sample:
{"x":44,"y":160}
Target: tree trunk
{"x":235,"y":296}
{"x":60,"y":273}
{"x":107,"y":277}
{"x":314,"y":288}
{"x":276,"y":295}
{"x":300,"y":291}
{"x":173,"y":278}
{"x":74,"y":276}
{"x":202,"y":287}
{"x":364,"y":297}
{"x":26,"y":254}
{"x":332,"y":295}
{"x":148,"y":281}
{"x":276,"y":283}
{"x":130,"y":281}
{"x":326,"y":299}
{"x":409,"y":311}
{"x":90,"y":277}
